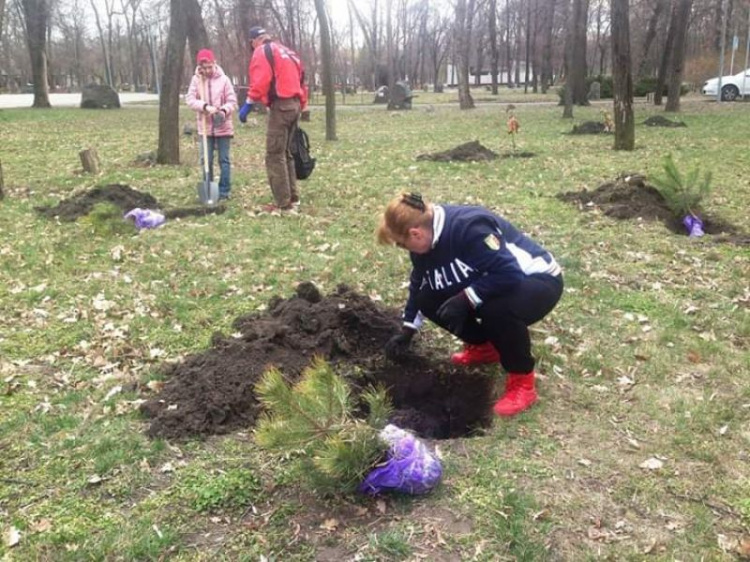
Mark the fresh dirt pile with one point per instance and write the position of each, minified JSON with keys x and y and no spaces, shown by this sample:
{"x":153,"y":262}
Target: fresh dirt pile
{"x":472,"y":151}
{"x":589,"y":128}
{"x":629,"y":197}
{"x":518,"y":155}
{"x":661,"y":121}
{"x":122,"y":196}
{"x":213,"y":392}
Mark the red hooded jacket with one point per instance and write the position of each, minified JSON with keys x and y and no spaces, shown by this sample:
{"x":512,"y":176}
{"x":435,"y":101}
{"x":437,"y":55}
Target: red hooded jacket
{"x":289,"y":73}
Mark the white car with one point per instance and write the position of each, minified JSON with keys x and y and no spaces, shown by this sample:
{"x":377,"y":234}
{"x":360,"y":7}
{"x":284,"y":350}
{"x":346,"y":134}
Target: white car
{"x":732,"y":87}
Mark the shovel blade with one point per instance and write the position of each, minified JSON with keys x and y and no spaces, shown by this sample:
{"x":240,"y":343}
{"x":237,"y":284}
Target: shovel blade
{"x":208,"y":192}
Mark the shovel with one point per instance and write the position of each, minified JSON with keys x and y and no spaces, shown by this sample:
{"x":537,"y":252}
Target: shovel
{"x":208,"y":191}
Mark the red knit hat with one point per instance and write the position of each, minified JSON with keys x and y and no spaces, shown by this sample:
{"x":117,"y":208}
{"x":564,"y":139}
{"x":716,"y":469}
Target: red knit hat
{"x":205,"y":55}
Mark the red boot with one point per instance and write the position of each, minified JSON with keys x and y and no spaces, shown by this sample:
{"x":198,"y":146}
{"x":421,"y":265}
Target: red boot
{"x":519,"y":395}
{"x":476,"y":355}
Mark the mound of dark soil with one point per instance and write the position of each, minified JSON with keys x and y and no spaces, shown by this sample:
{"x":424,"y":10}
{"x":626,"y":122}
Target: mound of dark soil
{"x":123,"y":196}
{"x":629,"y":197}
{"x":213,"y":392}
{"x":518,"y":155}
{"x":589,"y":128}
{"x":472,"y":151}
{"x":661,"y":121}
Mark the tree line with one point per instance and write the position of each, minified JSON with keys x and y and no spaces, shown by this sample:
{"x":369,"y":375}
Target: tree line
{"x":58,"y":45}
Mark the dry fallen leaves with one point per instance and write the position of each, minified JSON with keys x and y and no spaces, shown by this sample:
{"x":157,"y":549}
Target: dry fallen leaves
{"x":12,"y":537}
{"x":330,"y":525}
{"x":652,"y":464}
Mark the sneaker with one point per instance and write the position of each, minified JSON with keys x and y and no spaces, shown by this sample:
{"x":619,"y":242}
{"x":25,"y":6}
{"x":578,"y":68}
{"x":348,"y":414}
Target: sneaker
{"x":520,"y":394}
{"x":476,"y":355}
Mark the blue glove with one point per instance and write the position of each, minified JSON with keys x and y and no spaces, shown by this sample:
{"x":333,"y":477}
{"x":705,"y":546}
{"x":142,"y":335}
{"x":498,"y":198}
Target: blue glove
{"x":246,"y":108}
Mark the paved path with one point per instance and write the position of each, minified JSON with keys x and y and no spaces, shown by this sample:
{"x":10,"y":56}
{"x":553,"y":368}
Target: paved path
{"x":68,"y":100}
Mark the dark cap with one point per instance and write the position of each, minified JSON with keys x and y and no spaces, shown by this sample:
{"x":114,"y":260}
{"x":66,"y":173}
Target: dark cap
{"x":255,"y":32}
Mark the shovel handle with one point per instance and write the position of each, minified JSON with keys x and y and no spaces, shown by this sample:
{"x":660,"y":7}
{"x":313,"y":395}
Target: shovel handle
{"x":205,"y":130}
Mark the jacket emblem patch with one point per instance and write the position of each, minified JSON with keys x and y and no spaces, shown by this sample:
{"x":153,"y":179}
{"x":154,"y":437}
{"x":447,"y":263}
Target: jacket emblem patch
{"x":492,"y":242}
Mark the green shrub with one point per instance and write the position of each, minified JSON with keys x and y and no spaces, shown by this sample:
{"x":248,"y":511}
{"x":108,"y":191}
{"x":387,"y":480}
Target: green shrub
{"x":683,"y":193}
{"x":606,"y":92}
{"x":647,"y":84}
{"x":316,"y":418}
{"x":105,"y":219}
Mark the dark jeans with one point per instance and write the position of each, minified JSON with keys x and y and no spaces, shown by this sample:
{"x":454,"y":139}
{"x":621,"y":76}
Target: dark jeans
{"x":222,"y":145}
{"x":504,"y":320}
{"x":282,"y":123}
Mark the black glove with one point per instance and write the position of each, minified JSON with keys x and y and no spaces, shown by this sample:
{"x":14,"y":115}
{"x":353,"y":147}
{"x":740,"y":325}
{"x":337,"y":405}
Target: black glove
{"x":219,"y":117}
{"x":399,"y":344}
{"x":454,"y":312}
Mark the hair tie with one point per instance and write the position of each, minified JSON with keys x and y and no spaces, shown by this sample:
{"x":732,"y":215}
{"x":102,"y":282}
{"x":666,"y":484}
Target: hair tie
{"x":414,"y":200}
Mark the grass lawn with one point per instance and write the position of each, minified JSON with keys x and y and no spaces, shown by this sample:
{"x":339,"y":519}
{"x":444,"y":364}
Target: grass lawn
{"x":638,"y":448}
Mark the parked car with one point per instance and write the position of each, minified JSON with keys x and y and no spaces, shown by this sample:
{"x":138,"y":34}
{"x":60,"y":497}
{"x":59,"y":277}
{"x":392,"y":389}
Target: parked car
{"x":731,"y":86}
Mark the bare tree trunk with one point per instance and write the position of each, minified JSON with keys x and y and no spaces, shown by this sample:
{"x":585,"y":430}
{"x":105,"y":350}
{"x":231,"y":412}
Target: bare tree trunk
{"x":666,"y":56}
{"x":569,"y":38}
{"x":622,"y":76}
{"x":677,"y":65}
{"x":547,"y":31}
{"x":327,"y":61}
{"x":495,"y":54}
{"x":576,"y":79}
{"x":508,"y":55}
{"x":653,"y":22}
{"x":169,"y":100}
{"x":464,"y":15}
{"x":36,"y":18}
{"x":528,"y":48}
{"x":197,"y":35}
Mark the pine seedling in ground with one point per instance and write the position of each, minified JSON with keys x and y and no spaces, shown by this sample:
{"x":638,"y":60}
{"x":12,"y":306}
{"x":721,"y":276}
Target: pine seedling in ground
{"x":316,"y":417}
{"x":683,"y":193}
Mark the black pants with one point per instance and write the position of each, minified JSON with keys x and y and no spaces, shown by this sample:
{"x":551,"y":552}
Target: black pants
{"x":504,"y":320}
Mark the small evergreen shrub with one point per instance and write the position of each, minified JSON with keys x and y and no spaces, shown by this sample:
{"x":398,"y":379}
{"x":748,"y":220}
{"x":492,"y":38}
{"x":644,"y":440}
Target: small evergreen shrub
{"x":315,"y":419}
{"x":683,"y":193}
{"x":647,"y":84}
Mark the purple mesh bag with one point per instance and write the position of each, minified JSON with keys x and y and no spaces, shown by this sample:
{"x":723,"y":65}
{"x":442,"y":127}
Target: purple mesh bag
{"x":694,"y":226}
{"x":145,"y":218}
{"x":409,"y":468}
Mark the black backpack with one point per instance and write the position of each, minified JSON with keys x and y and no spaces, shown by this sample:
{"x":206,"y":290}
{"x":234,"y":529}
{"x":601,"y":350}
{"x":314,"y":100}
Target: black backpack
{"x":304,"y":164}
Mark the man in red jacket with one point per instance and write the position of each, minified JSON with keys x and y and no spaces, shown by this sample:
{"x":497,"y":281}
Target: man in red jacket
{"x":276,"y":77}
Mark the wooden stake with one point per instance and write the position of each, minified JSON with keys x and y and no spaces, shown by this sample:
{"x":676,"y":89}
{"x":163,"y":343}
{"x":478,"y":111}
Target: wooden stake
{"x":90,"y":161}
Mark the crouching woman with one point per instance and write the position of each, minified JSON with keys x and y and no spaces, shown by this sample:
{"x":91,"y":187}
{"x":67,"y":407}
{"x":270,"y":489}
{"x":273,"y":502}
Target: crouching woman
{"x":477,"y":276}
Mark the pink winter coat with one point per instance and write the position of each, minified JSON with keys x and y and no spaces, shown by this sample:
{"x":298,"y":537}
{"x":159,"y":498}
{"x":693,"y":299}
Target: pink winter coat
{"x":219,"y":93}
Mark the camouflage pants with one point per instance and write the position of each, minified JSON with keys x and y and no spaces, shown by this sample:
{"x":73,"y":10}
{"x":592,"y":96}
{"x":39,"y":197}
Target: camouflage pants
{"x":279,"y":162}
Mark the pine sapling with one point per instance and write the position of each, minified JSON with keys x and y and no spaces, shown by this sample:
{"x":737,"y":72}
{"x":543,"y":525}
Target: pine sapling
{"x":684,"y":193}
{"x":316,"y":418}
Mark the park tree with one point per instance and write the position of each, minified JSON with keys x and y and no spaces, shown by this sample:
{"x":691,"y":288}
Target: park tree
{"x":494,"y":52}
{"x":169,"y":100}
{"x":575,"y":71}
{"x":36,"y":22}
{"x":622,"y":76}
{"x":677,"y":58}
{"x":462,"y":46}
{"x":547,"y":32}
{"x":651,"y":30}
{"x":327,"y":62}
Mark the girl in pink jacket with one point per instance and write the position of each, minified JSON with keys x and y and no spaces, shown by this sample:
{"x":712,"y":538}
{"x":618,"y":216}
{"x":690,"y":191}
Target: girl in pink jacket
{"x":211,"y":94}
